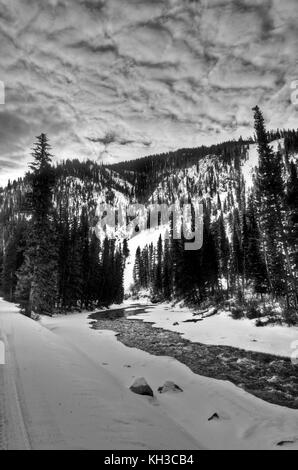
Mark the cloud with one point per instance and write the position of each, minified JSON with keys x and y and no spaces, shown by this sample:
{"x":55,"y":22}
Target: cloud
{"x":112,"y":80}
{"x":111,"y":138}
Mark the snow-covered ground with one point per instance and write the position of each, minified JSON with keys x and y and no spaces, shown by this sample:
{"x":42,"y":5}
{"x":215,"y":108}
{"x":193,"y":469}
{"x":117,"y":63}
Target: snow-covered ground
{"x":67,"y":386}
{"x":55,"y":392}
{"x":222,"y":329}
{"x":245,"y":421}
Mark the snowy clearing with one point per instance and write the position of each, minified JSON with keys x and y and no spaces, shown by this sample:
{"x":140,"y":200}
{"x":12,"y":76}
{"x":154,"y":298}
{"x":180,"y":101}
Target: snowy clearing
{"x":222,"y":329}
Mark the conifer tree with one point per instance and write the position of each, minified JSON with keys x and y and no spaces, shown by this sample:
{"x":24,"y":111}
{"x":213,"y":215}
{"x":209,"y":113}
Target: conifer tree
{"x":125,"y":248}
{"x":64,"y":261}
{"x":158,"y":268}
{"x":209,"y":260}
{"x":85,"y":261}
{"x":137,"y":269}
{"x":75,"y":283}
{"x":223,"y":250}
{"x":292,"y":215}
{"x":13,"y":258}
{"x":167,"y":279}
{"x":41,"y":253}
{"x":118,"y":278}
{"x":270,"y":204}
{"x":24,"y":284}
{"x":255,"y":264}
{"x":95,"y":280}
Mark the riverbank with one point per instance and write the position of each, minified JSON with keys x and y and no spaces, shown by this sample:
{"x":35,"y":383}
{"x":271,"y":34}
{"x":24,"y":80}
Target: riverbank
{"x":216,"y":413}
{"x":269,"y":377}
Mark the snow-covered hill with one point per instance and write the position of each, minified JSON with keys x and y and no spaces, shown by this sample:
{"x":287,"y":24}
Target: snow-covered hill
{"x":215,"y":182}
{"x":145,"y":237}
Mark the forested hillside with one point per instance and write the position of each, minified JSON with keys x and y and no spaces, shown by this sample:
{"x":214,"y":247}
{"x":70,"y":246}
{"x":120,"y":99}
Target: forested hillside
{"x":52,"y":259}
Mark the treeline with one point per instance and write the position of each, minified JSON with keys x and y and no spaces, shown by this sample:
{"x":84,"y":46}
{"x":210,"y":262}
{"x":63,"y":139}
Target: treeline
{"x":145,"y":173}
{"x":250,"y":245}
{"x":222,"y":268}
{"x":290,"y":137}
{"x":172,"y":272}
{"x":52,"y":259}
{"x":276,"y":203}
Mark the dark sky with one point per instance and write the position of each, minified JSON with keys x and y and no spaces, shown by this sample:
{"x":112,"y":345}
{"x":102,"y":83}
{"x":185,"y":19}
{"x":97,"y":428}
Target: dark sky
{"x":119,"y":79}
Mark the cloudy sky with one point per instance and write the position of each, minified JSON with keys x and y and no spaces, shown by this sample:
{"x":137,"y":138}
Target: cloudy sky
{"x":119,"y":79}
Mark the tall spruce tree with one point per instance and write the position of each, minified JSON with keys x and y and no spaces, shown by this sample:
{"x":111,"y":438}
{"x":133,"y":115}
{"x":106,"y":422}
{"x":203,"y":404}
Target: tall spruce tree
{"x":270,"y":205}
{"x":13,"y":258}
{"x":137,"y":269}
{"x":118,"y":277}
{"x":95,"y":280}
{"x":64,"y":261}
{"x":37,"y":278}
{"x":255,"y":264}
{"x":223,"y":250}
{"x":85,"y":260}
{"x":167,"y":279}
{"x":292,"y":216}
{"x":157,"y":288}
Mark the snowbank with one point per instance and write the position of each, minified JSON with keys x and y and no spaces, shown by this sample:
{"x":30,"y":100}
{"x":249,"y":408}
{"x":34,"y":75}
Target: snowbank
{"x":66,"y":386}
{"x":245,"y":422}
{"x":222,"y":329}
{"x":57,"y":394}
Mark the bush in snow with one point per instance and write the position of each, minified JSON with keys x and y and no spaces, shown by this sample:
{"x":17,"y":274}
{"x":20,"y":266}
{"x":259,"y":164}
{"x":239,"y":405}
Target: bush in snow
{"x":253,"y":310}
{"x":237,"y":312}
{"x":291,"y":316}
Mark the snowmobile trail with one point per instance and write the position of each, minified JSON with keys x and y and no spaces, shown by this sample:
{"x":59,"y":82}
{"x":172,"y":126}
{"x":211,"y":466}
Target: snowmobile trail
{"x":24,"y":426}
{"x":54,"y":397}
{"x":12,"y":423}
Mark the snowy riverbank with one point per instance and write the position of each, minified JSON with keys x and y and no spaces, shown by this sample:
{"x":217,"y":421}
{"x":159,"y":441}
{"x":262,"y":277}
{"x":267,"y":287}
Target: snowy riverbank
{"x":245,"y":422}
{"x":222,"y":329}
{"x":66,"y":385}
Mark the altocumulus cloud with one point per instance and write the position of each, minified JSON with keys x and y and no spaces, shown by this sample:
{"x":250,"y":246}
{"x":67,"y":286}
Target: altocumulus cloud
{"x":118,"y":79}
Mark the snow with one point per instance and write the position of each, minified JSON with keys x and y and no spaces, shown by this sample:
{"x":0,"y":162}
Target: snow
{"x":250,"y":165}
{"x":145,"y":237}
{"x":71,"y":391}
{"x":59,"y":395}
{"x":246,"y":422}
{"x":222,"y":329}
{"x":252,"y":161}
